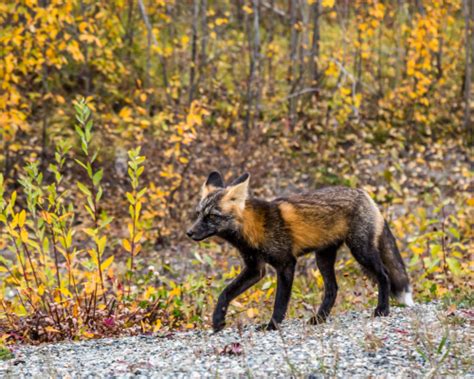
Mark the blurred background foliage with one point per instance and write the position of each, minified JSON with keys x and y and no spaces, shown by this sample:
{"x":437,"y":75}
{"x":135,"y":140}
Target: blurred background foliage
{"x":301,"y":93}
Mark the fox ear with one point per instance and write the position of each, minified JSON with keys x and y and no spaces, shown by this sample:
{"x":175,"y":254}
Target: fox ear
{"x":214,"y":181}
{"x":237,"y":192}
{"x":241,"y":179}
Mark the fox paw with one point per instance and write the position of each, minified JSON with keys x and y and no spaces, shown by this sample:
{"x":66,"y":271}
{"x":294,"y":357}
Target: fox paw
{"x":266,"y":327}
{"x":317,"y":320}
{"x":379,"y":312}
{"x":217,"y":326}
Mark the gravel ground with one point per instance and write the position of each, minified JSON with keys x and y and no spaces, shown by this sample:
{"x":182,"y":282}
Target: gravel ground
{"x":408,"y":343}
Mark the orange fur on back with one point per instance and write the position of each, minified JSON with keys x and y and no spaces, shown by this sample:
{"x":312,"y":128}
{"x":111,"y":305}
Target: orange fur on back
{"x":253,"y":226}
{"x":310,"y":230}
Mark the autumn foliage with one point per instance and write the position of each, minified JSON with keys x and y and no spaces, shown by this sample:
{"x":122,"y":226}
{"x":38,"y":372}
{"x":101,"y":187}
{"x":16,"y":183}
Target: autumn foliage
{"x":113,"y":112}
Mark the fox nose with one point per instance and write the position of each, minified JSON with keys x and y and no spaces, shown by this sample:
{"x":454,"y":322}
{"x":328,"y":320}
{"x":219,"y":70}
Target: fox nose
{"x":189,"y":233}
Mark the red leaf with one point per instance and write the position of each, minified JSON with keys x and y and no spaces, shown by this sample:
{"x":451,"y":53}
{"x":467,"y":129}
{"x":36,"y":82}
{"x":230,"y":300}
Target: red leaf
{"x":234,"y":348}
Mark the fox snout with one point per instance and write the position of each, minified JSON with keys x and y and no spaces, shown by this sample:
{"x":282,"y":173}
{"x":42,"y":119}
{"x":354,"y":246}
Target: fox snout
{"x":198,"y":232}
{"x":191,"y":233}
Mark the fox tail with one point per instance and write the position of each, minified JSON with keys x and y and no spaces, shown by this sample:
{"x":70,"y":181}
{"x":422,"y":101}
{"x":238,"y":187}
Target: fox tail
{"x":399,"y":282}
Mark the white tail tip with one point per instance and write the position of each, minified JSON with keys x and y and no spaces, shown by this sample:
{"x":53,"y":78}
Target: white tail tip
{"x":406,"y":298}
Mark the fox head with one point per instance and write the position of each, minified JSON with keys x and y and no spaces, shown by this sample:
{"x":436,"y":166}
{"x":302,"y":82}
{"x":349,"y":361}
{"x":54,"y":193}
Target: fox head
{"x":220,"y":208}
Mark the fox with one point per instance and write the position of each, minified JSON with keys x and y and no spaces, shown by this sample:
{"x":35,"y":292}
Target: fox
{"x":280,"y":231}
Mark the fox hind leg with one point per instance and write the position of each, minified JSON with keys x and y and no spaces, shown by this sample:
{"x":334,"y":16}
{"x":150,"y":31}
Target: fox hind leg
{"x":325,"y":259}
{"x":369,"y":257}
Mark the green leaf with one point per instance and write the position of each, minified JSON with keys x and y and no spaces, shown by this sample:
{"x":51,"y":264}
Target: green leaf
{"x":79,"y":131}
{"x":89,"y":210}
{"x":441,"y":344}
{"x":80,"y":164}
{"x":5,"y":262}
{"x":435,"y":249}
{"x":130,"y":198}
{"x":455,"y":232}
{"x":454,"y":266}
{"x":83,"y":188}
{"x":106,"y":221}
{"x":97,"y":177}
{"x":141,"y":193}
{"x":101,"y":244}
{"x":89,"y":170}
{"x":98,"y":194}
{"x":91,"y":203}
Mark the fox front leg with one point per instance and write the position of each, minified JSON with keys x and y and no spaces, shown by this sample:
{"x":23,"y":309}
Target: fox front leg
{"x":285,"y":277}
{"x":249,"y":276}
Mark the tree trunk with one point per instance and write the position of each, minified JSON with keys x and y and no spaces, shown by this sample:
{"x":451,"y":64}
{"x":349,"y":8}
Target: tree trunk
{"x":155,"y":42}
{"x":271,"y":32}
{"x":249,"y":95}
{"x":291,"y":70}
{"x":256,"y":55}
{"x":314,"y":55}
{"x":194,"y":63}
{"x":469,"y":58}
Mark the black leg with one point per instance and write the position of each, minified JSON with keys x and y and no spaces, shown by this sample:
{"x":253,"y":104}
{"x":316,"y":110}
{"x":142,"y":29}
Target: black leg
{"x":370,"y":259}
{"x":325,"y":260}
{"x":285,"y":277}
{"x":246,"y":279}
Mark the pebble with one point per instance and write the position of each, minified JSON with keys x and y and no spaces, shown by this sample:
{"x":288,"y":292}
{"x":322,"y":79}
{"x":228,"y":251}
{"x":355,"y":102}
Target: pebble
{"x":348,"y":345}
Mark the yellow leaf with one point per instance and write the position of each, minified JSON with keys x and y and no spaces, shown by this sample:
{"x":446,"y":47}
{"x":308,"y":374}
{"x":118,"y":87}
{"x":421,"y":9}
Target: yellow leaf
{"x":101,"y":242}
{"x":149,"y":291}
{"x":82,"y":26}
{"x":138,"y":237}
{"x":125,"y":112}
{"x":137,"y":249}
{"x":24,"y":236}
{"x":87,"y":334}
{"x":107,"y":263}
{"x":417,"y":250}
{"x":176,"y":291}
{"x":127,"y":246}
{"x":46,"y":216}
{"x":221,"y":21}
{"x":157,"y":325}
{"x":332,"y":70}
{"x":65,"y":292}
{"x":93,"y":255}
{"x":252,"y":312}
{"x":328,"y":3}
{"x":50,"y":329}
{"x":184,"y":40}
{"x":22,"y":218}
{"x":247,"y":9}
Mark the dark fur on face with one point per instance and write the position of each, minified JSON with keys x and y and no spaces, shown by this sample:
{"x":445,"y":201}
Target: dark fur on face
{"x":219,"y":208}
{"x":210,"y":218}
